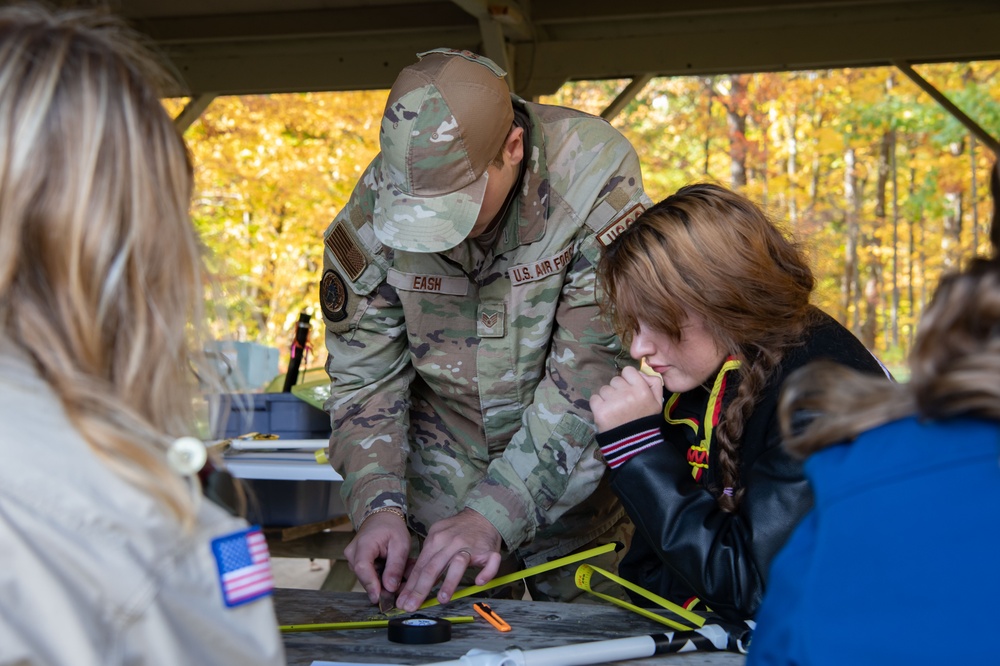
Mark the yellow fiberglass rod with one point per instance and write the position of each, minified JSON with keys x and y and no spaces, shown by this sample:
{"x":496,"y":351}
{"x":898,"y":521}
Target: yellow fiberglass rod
{"x":520,"y":575}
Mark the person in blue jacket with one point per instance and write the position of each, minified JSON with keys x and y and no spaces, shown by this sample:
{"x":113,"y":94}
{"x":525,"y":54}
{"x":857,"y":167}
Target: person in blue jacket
{"x":896,"y":563}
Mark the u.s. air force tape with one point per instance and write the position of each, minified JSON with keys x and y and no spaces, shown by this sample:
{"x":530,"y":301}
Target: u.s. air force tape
{"x":419,"y":629}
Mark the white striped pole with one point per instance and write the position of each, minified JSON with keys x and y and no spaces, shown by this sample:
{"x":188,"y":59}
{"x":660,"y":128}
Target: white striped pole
{"x":616,"y":649}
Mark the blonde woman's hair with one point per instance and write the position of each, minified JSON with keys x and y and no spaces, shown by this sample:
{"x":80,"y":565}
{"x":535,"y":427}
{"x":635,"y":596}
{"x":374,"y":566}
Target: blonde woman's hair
{"x":713,"y":253}
{"x":101,"y":276}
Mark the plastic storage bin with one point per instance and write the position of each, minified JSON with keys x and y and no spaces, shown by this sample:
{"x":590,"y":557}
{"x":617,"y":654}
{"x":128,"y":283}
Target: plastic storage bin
{"x":281,"y":414}
{"x":281,"y":502}
{"x":275,"y":503}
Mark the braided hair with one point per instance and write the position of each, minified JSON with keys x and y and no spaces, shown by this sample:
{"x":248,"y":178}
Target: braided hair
{"x":713,"y":253}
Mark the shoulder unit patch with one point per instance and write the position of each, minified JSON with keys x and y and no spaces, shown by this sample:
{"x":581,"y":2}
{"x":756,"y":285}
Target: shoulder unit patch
{"x":333,"y":296}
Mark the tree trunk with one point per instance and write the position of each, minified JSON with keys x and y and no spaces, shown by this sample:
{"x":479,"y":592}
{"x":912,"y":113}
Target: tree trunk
{"x":710,"y":90}
{"x":951,"y":238}
{"x":736,"y":116}
{"x":869,"y":325}
{"x":852,"y":202}
{"x":885,"y":173}
{"x":894,"y":308}
{"x":884,"y":151}
{"x":975,"y":196}
{"x":818,"y":118}
{"x":910,"y":263}
{"x":792,"y":167}
{"x":762,"y":157}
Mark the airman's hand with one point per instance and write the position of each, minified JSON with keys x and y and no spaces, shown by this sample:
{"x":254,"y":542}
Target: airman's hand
{"x":452,"y":545}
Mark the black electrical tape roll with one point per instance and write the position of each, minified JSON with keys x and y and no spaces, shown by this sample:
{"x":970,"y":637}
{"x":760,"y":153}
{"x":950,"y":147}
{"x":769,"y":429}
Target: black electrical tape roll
{"x":419,"y":629}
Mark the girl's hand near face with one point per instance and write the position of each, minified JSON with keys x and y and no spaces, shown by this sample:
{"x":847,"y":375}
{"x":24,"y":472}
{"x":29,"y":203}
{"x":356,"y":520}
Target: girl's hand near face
{"x":629,"y":396}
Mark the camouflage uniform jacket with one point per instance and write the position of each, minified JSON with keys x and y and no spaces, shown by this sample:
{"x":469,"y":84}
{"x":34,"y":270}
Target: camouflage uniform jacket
{"x":463,"y":378}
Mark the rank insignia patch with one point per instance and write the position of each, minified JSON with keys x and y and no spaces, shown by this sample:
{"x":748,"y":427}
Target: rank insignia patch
{"x":492,"y":320}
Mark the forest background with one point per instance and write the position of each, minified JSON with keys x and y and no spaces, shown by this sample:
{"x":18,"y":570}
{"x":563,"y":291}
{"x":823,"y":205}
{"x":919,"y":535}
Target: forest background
{"x":883,"y":189}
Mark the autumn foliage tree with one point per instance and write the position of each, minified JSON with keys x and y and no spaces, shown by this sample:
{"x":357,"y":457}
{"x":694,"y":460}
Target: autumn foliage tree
{"x":271,"y":171}
{"x":881,"y":186}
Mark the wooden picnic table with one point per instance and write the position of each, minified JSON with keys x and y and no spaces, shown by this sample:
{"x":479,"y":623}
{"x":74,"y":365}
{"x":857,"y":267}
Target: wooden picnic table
{"x":534,"y":625}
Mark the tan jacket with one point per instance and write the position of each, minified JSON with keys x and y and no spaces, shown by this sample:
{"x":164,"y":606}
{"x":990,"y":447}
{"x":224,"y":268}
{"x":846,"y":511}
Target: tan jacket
{"x":92,"y":570}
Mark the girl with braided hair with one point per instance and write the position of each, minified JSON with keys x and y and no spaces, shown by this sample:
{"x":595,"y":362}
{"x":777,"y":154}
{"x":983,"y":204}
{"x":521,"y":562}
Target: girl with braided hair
{"x":906,"y":481}
{"x":708,"y":292}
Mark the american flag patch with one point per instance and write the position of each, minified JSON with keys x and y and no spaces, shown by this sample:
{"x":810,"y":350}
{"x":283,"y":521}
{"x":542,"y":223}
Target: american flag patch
{"x":244,"y":566}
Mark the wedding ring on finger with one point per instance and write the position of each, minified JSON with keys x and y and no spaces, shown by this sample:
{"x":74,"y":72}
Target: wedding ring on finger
{"x":466,"y":551}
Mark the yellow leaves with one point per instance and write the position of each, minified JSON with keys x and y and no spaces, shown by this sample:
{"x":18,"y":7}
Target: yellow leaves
{"x":779,"y":182}
{"x":174,"y":105}
{"x":828,"y":141}
{"x":270,"y":171}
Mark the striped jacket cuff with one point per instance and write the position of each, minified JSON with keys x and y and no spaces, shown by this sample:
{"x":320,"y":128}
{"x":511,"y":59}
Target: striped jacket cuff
{"x":620,"y":444}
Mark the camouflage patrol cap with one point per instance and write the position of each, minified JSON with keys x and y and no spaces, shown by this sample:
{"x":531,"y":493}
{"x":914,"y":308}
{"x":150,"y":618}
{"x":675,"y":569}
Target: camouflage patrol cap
{"x":446,"y":118}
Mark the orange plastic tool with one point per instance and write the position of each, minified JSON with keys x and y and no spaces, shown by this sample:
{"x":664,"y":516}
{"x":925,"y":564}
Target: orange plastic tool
{"x":490,"y":616}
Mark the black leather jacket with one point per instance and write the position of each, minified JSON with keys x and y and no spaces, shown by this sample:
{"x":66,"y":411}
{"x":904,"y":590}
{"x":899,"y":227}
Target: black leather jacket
{"x":685,"y":545}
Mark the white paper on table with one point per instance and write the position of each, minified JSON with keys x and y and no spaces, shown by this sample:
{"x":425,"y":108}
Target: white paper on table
{"x":290,"y":470}
{"x":238,"y":444}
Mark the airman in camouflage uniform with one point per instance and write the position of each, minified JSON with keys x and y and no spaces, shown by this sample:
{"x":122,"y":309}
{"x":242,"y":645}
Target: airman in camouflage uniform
{"x":464,"y":330}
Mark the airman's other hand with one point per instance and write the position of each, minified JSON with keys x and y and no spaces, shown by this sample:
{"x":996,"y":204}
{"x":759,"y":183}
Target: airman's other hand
{"x":382,"y":536}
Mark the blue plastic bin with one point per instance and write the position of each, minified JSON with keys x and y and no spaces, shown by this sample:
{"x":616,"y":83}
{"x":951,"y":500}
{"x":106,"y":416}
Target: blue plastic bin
{"x":281,"y":414}
{"x":274,"y":503}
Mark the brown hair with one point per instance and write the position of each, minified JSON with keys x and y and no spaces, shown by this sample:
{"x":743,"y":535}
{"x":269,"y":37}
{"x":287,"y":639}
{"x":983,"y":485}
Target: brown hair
{"x":713,"y":252}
